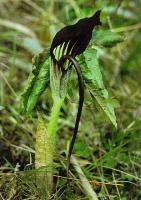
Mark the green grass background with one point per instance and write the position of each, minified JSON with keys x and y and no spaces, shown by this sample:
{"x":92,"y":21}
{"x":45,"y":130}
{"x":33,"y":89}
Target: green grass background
{"x":110,"y":158}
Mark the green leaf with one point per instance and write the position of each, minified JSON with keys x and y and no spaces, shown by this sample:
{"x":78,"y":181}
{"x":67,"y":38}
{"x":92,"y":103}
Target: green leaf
{"x":106,"y":38}
{"x":93,"y":79}
{"x":37,"y":82}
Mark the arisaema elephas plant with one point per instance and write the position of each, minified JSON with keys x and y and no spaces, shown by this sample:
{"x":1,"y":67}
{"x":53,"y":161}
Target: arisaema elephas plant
{"x":52,"y":68}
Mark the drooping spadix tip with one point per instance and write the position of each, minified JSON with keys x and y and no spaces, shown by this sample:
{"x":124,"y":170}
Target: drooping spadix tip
{"x":96,"y":18}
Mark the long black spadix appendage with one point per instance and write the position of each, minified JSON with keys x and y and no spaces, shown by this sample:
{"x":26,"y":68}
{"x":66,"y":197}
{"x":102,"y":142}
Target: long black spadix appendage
{"x":74,"y":64}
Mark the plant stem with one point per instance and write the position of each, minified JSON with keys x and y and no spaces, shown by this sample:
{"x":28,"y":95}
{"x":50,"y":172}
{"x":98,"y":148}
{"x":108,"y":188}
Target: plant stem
{"x":52,"y":126}
{"x":52,"y":129}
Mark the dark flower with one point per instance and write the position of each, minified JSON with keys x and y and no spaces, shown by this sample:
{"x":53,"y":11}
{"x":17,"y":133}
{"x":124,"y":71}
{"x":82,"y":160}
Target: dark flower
{"x":73,"y":40}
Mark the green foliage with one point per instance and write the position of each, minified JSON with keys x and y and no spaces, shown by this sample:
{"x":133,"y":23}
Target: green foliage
{"x":133,"y":59}
{"x":81,"y":149}
{"x":106,"y":38}
{"x":37,"y":82}
{"x":94,"y":83}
